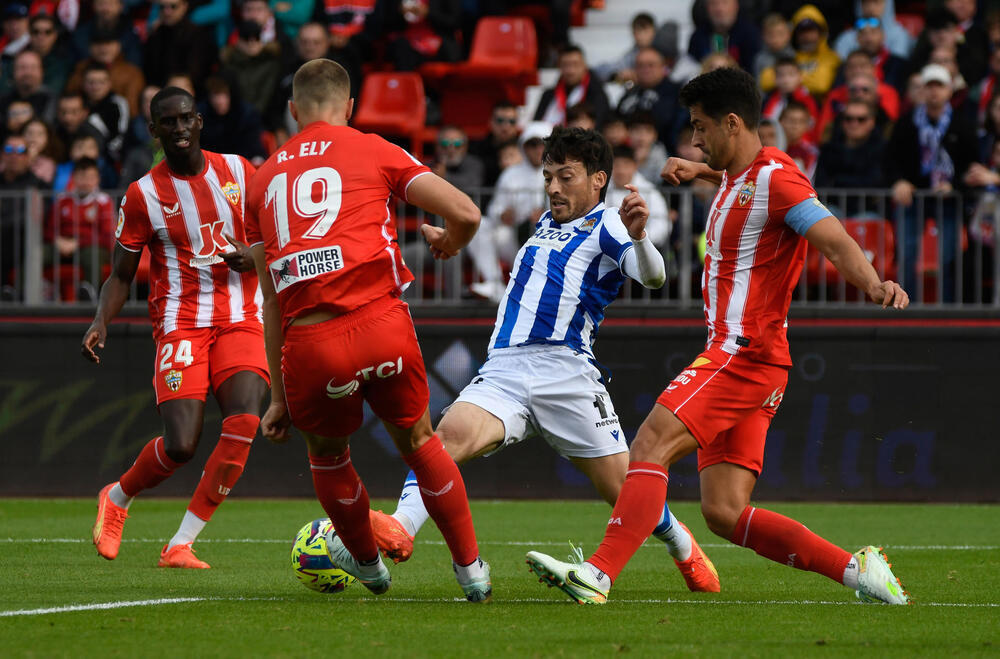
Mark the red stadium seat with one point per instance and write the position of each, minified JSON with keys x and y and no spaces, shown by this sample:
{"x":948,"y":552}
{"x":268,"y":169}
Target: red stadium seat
{"x":268,"y":141}
{"x":393,"y":104}
{"x":912,"y":23}
{"x":877,"y":239}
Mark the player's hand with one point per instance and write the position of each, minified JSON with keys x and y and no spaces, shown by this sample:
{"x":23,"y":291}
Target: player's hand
{"x":634,"y":213}
{"x":93,"y":337}
{"x":240,"y":260}
{"x":437,"y":239}
{"x":902,"y":192}
{"x":889,"y":293}
{"x":678,"y":170}
{"x":276,"y":425}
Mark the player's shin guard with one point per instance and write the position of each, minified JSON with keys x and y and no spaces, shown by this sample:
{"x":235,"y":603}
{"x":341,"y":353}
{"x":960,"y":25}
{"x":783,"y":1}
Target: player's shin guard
{"x":443,"y":492}
{"x":224,"y":467}
{"x":345,"y":499}
{"x":784,"y":540}
{"x":636,"y":513}
{"x":151,"y":468}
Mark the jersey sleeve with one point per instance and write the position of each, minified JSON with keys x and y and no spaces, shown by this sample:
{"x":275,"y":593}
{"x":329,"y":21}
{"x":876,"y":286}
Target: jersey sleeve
{"x":133,"y":230}
{"x":793,"y":200}
{"x":397,"y":166}
{"x":614,"y":239}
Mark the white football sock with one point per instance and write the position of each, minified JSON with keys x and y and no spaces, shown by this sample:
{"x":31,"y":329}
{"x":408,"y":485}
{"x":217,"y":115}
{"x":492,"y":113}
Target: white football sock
{"x":118,"y":496}
{"x":410,"y":510}
{"x":851,"y":573}
{"x":677,"y":540}
{"x":473,"y":570}
{"x":191,"y":526}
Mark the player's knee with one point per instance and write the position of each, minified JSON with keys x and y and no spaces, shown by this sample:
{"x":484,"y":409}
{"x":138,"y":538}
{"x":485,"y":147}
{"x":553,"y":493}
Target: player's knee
{"x":179,"y":451}
{"x":720,"y":518}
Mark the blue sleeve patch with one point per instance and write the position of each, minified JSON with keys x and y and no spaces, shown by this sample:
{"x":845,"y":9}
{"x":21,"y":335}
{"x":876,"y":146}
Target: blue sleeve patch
{"x":804,"y":214}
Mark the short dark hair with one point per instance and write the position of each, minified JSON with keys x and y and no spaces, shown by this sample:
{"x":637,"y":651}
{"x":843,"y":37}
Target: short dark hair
{"x":94,"y":65}
{"x":623,"y":151}
{"x":81,"y":164}
{"x":642,"y":19}
{"x":504,"y":105}
{"x":164,"y":95}
{"x":791,"y":105}
{"x":571,"y":49}
{"x":786,"y":60}
{"x":641,"y":118}
{"x":587,"y":146}
{"x":723,"y":91}
{"x":582,"y":109}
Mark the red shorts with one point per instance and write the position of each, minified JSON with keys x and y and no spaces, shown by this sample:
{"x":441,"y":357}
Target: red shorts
{"x":370,"y":354}
{"x":727,"y":403}
{"x":188,"y":361}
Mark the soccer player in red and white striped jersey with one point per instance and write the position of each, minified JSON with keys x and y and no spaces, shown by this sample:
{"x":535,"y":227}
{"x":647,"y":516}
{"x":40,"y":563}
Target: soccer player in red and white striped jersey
{"x":722,"y":404}
{"x":205,"y":306}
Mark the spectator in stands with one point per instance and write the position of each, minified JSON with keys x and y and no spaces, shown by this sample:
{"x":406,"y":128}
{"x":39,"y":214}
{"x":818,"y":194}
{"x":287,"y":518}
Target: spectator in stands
{"x":71,"y":119}
{"x":930,"y":149}
{"x":48,"y":40}
{"x":84,"y":146}
{"x":897,"y":40}
{"x":18,"y":114}
{"x":29,"y":86}
{"x":992,"y":25}
{"x":715,"y":61}
{"x":455,"y":164}
{"x":797,"y":125}
{"x":856,"y":160}
{"x":127,"y":80}
{"x":862,"y":85}
{"x":990,"y":130}
{"x":142,"y":150}
{"x":777,"y":34}
{"x":15,"y":176}
{"x":726,"y":31}
{"x":109,"y":16}
{"x":253,"y":66}
{"x":582,"y":116}
{"x":575,"y":85}
{"x":771,"y":134}
{"x":818,"y":62}
{"x":623,"y":69}
{"x":626,"y":172}
{"x":43,"y":149}
{"x":649,"y":154}
{"x":14,"y":39}
{"x":178,"y":46}
{"x":422,"y":31}
{"x":291,"y":16}
{"x":653,"y":92}
{"x":961,"y":93}
{"x":788,"y":87}
{"x":80,"y":227}
{"x":272,"y":29}
{"x":615,"y":130}
{"x":988,"y":87}
{"x":509,"y":154}
{"x":230,"y":124}
{"x":353,"y":23}
{"x":889,"y":68}
{"x":108,"y":111}
{"x":974,"y":44}
{"x":181,"y":80}
{"x":943,"y":29}
{"x":503,"y":130}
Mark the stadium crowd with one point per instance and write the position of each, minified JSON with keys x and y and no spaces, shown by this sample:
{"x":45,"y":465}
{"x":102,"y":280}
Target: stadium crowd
{"x":867,"y":95}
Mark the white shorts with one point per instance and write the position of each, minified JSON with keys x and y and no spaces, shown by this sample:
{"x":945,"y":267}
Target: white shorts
{"x":549,"y":391}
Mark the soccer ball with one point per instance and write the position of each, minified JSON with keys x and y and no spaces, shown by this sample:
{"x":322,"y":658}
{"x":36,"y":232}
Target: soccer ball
{"x":311,"y":563}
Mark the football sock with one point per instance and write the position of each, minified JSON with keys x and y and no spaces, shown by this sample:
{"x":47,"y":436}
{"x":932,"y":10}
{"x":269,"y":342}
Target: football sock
{"x":670,"y":531}
{"x":190,"y":527}
{"x":784,"y":540}
{"x":345,"y":499}
{"x":410,"y":509}
{"x":118,"y":496}
{"x":636,"y":513}
{"x":151,"y":468}
{"x":852,"y":573}
{"x":443,"y":492}
{"x":225,"y":465}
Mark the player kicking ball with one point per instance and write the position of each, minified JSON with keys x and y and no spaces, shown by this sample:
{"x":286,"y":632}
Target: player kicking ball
{"x":540,"y":376}
{"x":722,"y":404}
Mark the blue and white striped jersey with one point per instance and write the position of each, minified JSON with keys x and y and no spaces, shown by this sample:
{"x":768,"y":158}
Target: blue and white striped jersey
{"x":563,"y":278}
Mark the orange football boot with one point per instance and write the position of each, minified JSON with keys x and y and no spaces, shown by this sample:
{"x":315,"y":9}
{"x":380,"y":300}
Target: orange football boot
{"x":181,"y":556}
{"x":391,"y":537}
{"x":107,"y":530}
{"x":698,"y":571}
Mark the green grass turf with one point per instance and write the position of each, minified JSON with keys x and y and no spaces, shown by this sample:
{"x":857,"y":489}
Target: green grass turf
{"x":253,"y":606}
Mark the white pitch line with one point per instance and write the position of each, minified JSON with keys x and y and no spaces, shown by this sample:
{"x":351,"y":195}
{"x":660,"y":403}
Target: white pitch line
{"x":100,"y":606}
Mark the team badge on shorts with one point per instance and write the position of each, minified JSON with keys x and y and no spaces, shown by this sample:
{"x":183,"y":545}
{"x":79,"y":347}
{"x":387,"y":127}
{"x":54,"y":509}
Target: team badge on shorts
{"x":746,"y":192}
{"x":173,"y":379}
{"x":232,"y":192}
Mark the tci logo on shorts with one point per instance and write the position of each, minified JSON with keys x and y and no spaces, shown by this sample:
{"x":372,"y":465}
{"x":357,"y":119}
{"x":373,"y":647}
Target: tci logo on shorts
{"x":382,"y":371}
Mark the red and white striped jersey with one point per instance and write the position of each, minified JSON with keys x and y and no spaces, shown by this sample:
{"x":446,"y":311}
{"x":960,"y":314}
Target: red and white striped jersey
{"x":754,"y":253}
{"x":184,"y":220}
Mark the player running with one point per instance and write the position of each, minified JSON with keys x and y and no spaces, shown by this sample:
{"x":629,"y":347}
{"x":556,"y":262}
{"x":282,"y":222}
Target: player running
{"x":540,"y":376}
{"x":722,"y":404}
{"x":204,"y":303}
{"x":336,"y":332}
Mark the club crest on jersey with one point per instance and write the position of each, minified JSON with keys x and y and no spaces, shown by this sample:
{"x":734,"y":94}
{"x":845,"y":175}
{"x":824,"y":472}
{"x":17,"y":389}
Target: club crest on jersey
{"x":588,"y":224}
{"x":232,"y":192}
{"x":173,"y":378}
{"x":746,"y":193}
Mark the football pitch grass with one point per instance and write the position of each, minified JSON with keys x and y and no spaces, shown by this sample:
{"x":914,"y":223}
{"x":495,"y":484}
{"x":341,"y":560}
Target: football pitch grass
{"x":58,"y":598}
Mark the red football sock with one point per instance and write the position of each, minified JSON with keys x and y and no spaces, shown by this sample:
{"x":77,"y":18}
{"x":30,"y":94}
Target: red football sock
{"x":443,"y":492}
{"x":636,"y":514}
{"x":151,"y":468}
{"x":784,"y":540}
{"x":345,"y":499}
{"x":224,"y":466}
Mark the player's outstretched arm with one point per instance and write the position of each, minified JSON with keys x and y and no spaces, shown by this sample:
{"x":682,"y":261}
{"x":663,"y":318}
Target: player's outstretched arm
{"x":114,"y":293}
{"x":644,"y":263}
{"x":461,"y":216}
{"x":679,"y":170}
{"x":276,"y":424}
{"x":829,"y":237}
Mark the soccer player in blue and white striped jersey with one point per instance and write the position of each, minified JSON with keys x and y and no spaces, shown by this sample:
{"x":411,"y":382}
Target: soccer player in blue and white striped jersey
{"x":540,"y":377}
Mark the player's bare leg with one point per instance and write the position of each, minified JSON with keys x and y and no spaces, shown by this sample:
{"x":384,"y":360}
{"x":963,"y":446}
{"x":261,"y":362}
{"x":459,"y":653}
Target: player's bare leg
{"x":443,"y":492}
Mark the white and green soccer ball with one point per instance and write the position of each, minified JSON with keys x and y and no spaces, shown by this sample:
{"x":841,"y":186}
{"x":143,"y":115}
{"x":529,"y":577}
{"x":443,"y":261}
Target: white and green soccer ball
{"x":311,"y":563}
